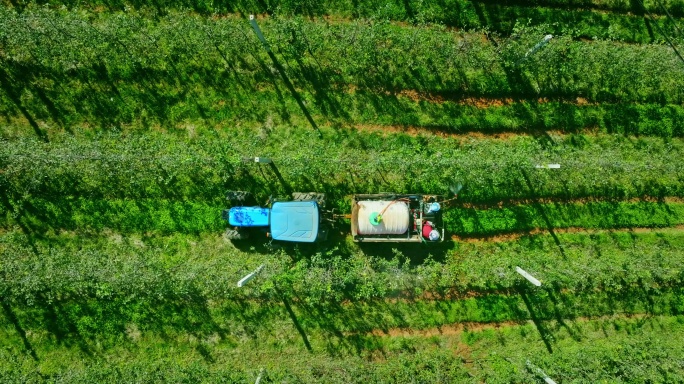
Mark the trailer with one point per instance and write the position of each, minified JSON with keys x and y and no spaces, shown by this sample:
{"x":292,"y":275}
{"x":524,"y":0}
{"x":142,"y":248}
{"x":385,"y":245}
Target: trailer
{"x":396,"y":218}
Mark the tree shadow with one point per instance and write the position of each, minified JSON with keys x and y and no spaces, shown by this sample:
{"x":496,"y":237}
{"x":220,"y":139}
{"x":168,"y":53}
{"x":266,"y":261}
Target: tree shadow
{"x":324,"y":317}
{"x":60,"y":324}
{"x":285,"y":79}
{"x":637,"y":8}
{"x":542,"y":212}
{"x":416,"y":253}
{"x":543,"y":332}
{"x":13,"y":90}
{"x":285,"y":184}
{"x":559,"y":316}
{"x":323,"y":81}
{"x":81,"y":321}
{"x":11,"y":316}
{"x":6,"y":198}
{"x":297,"y":325}
{"x":329,"y":315}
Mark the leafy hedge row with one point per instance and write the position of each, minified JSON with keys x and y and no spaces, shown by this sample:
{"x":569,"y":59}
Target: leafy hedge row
{"x":201,"y":170}
{"x":633,"y":350}
{"x":340,"y":108}
{"x":95,"y":319}
{"x":73,"y":265}
{"x":585,"y":18}
{"x":110,"y":70}
{"x":111,"y":293}
{"x":76,"y":296}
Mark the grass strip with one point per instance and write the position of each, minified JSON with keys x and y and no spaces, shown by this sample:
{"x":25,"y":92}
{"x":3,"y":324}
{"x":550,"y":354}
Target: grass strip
{"x":166,"y":216}
{"x":604,"y":215}
{"x":161,"y":216}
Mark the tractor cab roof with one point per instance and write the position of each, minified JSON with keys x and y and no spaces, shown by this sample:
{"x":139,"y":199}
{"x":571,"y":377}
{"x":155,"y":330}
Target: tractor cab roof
{"x":295,"y":221}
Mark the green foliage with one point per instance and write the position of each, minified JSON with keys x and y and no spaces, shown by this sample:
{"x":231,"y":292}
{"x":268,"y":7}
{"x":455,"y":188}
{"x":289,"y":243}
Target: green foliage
{"x":120,"y":267}
{"x":122,"y":71}
{"x":612,"y":350}
{"x":105,"y":294}
{"x":201,"y":170}
{"x":590,"y":215}
{"x":587,"y":18}
{"x":112,"y":266}
{"x":125,"y":215}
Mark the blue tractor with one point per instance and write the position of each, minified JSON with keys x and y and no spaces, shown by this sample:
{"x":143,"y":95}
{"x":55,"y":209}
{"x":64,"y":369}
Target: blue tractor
{"x":300,"y":219}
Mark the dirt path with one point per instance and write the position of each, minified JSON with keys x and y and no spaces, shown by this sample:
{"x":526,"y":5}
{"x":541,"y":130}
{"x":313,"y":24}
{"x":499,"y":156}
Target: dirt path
{"x":463,"y":136}
{"x":482,"y":102}
{"x":458,"y":328}
{"x":445,"y":330}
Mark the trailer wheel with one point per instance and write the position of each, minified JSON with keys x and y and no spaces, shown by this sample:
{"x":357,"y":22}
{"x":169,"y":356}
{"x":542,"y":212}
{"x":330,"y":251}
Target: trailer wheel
{"x":235,"y":234}
{"x":239,"y":197}
{"x":319,"y":198}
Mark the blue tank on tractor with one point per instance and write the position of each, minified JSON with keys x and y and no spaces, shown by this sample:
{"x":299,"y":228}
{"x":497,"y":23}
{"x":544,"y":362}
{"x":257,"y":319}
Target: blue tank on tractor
{"x":248,"y":216}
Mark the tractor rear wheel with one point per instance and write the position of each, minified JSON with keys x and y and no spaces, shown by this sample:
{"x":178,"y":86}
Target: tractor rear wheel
{"x":239,"y":197}
{"x":319,"y":198}
{"x":236,"y":234}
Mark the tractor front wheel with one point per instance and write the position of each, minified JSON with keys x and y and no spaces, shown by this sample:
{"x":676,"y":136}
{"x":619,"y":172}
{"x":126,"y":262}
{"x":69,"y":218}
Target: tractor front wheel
{"x":319,"y":198}
{"x":236,"y":234}
{"x":239,"y":197}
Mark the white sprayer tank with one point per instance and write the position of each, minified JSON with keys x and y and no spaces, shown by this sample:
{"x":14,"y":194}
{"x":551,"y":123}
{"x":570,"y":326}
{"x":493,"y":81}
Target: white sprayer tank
{"x":395,"y":217}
